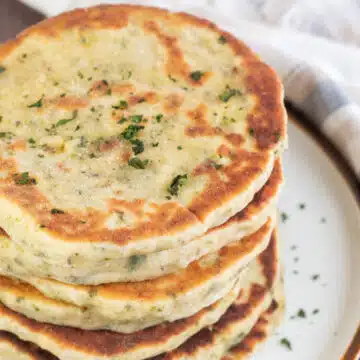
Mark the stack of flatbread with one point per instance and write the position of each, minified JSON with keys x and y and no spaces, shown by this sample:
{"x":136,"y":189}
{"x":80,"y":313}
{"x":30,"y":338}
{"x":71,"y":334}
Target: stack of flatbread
{"x":140,"y":167}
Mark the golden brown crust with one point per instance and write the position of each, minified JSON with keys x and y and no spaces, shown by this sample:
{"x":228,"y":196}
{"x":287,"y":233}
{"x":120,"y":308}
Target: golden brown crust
{"x":24,"y":347}
{"x":257,"y":335}
{"x":237,"y":311}
{"x":267,"y":123}
{"x":109,"y":343}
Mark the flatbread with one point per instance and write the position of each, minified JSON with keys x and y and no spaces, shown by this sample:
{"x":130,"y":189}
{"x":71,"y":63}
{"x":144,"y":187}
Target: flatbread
{"x":262,"y":330}
{"x":15,"y":261}
{"x":12,"y":348}
{"x":129,"y":307}
{"x":75,"y":344}
{"x":213,"y":342}
{"x":107,"y":155}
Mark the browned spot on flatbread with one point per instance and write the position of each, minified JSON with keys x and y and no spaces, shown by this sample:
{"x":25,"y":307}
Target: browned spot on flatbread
{"x":109,"y":145}
{"x":244,"y":169}
{"x":18,"y":145}
{"x":268,"y":260}
{"x":200,"y":125}
{"x":121,"y":89}
{"x":260,"y":200}
{"x":99,"y":88}
{"x":257,"y":335}
{"x":136,"y":206}
{"x":102,"y":342}
{"x":25,"y":347}
{"x":173,"y":102}
{"x":235,"y":139}
{"x":69,"y":102}
{"x":149,"y":97}
{"x":176,"y":64}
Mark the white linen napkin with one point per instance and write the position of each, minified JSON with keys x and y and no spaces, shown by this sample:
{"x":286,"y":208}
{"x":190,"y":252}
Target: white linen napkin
{"x":321,"y":77}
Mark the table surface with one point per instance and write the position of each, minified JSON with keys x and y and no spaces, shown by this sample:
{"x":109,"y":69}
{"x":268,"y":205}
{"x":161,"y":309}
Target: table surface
{"x":15,"y":17}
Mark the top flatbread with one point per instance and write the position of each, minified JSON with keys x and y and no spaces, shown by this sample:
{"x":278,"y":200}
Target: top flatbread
{"x":127,"y":130}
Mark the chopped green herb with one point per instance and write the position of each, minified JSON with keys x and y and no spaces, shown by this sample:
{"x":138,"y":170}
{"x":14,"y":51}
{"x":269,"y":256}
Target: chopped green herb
{"x":80,"y":74}
{"x":172,"y":79}
{"x":108,"y":91}
{"x":215,"y":164}
{"x":251,"y":132}
{"x":301,"y":313}
{"x":137,"y":163}
{"x":315,"y":277}
{"x":131,"y":131}
{"x":135,"y":261}
{"x":177,"y":183}
{"x":36,"y":104}
{"x":92,"y":156}
{"x":197,"y":75}
{"x":122,"y":120}
{"x":136,"y":118}
{"x":158,"y":117}
{"x":286,"y":343}
{"x":277,"y":135}
{"x":141,"y":100}
{"x":36,"y":308}
{"x":19,"y":299}
{"x":137,"y":146}
{"x":77,"y":128}
{"x":6,"y":134}
{"x":179,"y":147}
{"x":65,"y":121}
{"x":228,"y":93}
{"x":168,"y":197}
{"x":222,"y":39}
{"x":2,"y":69}
{"x":155,"y":144}
{"x":24,"y":179}
{"x":122,"y":105}
{"x":62,"y":95}
{"x":284,"y":217}
{"x":31,"y":141}
{"x":315,"y":311}
{"x":57,"y":211}
{"x":302,"y":206}
{"x":92,"y":109}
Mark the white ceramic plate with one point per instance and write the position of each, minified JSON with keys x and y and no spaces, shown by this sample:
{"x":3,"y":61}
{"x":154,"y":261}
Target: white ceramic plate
{"x":321,"y":251}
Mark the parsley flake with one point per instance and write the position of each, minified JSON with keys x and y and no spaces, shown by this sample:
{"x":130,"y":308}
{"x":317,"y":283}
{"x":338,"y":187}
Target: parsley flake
{"x":222,"y":39}
{"x":65,"y":121}
{"x":286,"y":343}
{"x":131,"y":131}
{"x":137,"y":163}
{"x":252,"y":132}
{"x":24,"y":179}
{"x":228,"y":93}
{"x":197,"y":75}
{"x":177,"y":183}
{"x":137,"y":146}
{"x":284,"y":217}
{"x":158,"y":117}
{"x":155,"y":144}
{"x":122,"y":120}
{"x":136,"y":118}
{"x":57,"y":211}
{"x":301,"y":313}
{"x":122,"y":105}
{"x":135,"y":261}
{"x":2,"y":69}
{"x":36,"y":104}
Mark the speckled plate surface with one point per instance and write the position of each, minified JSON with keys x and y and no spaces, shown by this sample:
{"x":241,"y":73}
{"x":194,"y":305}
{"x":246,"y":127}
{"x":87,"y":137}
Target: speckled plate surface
{"x":320,"y":232}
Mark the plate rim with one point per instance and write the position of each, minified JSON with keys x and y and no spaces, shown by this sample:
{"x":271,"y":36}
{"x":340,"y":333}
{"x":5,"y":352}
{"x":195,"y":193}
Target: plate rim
{"x":304,"y":124}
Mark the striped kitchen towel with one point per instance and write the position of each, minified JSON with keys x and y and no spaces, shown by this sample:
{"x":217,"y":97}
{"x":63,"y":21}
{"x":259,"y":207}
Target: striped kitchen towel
{"x":313,"y":88}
